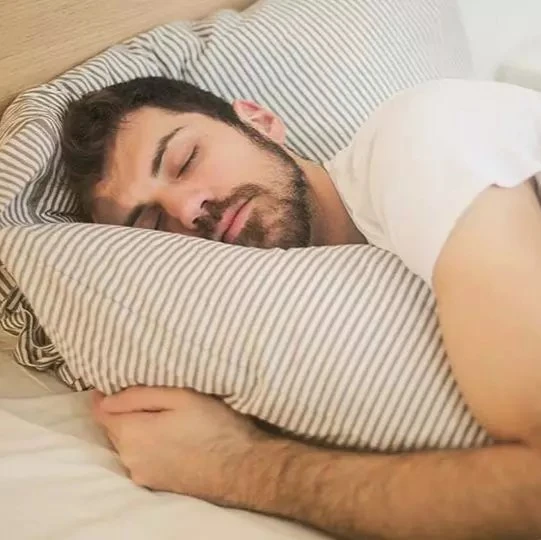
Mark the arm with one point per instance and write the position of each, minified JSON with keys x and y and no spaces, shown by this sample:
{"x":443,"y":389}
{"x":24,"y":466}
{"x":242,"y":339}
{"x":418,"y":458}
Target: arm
{"x":487,"y":281}
{"x":491,"y":493}
{"x":197,"y":446}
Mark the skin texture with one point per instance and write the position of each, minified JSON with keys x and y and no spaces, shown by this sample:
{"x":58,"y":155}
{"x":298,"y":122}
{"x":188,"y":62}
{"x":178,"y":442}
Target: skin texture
{"x":489,"y":299}
{"x":490,"y":310}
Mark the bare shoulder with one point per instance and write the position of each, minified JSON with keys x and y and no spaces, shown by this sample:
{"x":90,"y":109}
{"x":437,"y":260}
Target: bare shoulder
{"x":488,"y":288}
{"x":499,"y":223}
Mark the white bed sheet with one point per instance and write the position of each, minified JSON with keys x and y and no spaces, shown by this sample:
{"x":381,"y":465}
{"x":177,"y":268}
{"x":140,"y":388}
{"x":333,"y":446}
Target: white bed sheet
{"x":59,"y":478}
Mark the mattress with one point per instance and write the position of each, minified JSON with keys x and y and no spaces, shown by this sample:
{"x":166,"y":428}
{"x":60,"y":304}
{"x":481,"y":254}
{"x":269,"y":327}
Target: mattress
{"x":60,"y":479}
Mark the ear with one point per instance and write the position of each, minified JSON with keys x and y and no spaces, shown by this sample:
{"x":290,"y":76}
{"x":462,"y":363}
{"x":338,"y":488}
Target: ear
{"x":264,"y":120}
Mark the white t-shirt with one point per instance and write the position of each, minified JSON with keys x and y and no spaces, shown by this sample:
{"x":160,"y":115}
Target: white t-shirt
{"x":423,"y":156}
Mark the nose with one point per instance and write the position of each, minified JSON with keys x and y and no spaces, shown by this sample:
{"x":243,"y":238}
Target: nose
{"x":185,"y":206}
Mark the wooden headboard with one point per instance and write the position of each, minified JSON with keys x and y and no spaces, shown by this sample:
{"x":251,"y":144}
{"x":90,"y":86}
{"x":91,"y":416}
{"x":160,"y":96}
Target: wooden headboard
{"x":40,"y":39}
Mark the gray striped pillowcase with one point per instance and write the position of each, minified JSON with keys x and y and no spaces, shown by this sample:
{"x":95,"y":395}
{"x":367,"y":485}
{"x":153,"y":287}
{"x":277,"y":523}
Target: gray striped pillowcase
{"x":337,"y":344}
{"x":334,"y":62}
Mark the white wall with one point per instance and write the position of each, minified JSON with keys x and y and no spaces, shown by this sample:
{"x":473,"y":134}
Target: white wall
{"x":496,"y":27}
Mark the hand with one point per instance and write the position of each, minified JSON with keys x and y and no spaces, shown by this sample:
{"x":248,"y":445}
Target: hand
{"x":177,"y":440}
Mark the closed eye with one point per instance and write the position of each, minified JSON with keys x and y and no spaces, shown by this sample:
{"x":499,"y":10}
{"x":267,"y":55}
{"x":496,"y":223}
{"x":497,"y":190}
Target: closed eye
{"x":189,"y":162}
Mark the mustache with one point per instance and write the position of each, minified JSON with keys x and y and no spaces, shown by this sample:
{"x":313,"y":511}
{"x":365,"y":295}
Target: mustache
{"x":207,"y":223}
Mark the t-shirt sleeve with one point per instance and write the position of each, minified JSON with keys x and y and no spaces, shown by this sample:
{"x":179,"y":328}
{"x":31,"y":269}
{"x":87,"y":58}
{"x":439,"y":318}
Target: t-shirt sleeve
{"x":438,"y":147}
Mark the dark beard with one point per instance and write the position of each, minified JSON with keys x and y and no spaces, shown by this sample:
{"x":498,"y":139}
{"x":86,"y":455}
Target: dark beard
{"x":293,"y":206}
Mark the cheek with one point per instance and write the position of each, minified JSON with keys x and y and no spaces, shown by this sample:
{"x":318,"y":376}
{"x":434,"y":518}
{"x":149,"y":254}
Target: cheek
{"x":223,"y":176}
{"x":236,"y":164}
{"x":270,"y":212}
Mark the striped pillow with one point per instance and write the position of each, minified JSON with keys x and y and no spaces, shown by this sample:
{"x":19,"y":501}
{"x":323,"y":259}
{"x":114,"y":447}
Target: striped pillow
{"x":335,"y":62}
{"x":337,"y":344}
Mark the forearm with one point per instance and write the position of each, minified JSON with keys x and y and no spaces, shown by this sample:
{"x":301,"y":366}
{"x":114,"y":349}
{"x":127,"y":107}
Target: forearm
{"x":490,"y":493}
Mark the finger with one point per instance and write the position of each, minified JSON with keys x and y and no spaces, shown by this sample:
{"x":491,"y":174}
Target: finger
{"x":105,"y":420}
{"x":96,"y":397}
{"x":110,"y":422}
{"x":119,"y":426}
{"x":143,"y":398}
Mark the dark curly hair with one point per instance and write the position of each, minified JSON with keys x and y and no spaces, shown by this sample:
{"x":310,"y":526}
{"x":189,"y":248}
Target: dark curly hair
{"x":91,"y":123}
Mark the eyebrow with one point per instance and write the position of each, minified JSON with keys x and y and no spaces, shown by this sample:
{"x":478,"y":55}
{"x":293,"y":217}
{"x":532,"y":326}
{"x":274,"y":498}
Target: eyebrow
{"x":160,"y":151}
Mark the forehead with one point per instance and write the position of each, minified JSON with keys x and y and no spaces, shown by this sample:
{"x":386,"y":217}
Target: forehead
{"x":148,"y":124}
{"x":139,"y":133}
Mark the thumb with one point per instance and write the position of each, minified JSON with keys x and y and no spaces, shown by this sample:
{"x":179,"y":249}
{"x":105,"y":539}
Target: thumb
{"x":142,"y":398}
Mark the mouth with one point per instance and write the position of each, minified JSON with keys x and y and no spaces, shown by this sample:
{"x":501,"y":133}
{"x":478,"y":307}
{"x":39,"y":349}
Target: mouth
{"x":233,"y":222}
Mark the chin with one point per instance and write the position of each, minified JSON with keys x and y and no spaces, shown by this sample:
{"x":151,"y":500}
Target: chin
{"x":255,"y":236}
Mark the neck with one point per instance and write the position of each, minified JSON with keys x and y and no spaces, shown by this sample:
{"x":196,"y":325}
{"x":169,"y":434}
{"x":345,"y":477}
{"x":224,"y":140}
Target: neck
{"x":331,"y":223}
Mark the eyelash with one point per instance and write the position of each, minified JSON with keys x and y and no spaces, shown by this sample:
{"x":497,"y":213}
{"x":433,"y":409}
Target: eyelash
{"x":185,"y":167}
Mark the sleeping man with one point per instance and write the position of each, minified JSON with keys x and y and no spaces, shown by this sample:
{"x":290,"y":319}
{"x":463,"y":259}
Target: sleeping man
{"x":446,"y":177}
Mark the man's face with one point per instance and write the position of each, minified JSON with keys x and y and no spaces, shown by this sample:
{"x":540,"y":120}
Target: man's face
{"x":188,"y":173}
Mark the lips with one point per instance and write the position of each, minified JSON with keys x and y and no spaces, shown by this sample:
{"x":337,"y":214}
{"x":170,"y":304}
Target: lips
{"x":228,"y":219}
{"x":237,"y":224}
